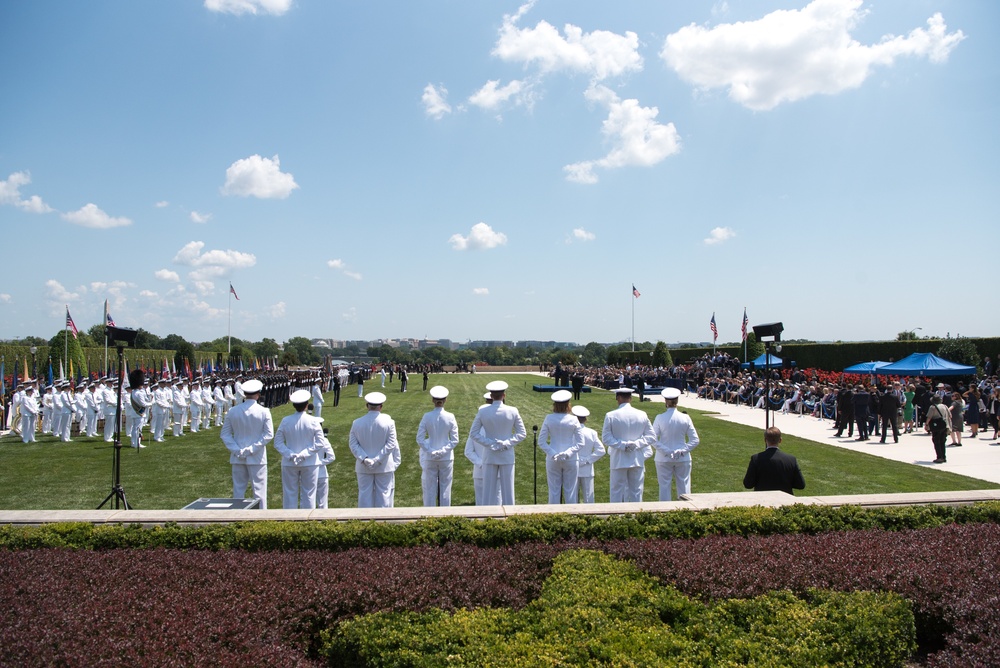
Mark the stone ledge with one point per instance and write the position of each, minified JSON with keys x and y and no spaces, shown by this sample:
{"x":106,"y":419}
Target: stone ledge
{"x":687,"y":502}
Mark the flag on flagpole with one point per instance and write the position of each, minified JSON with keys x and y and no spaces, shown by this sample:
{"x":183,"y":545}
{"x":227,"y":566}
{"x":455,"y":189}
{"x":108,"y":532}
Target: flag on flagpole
{"x":62,"y":371}
{"x":745,"y":322}
{"x":69,"y":322}
{"x":635,"y":293}
{"x":233,"y":291}
{"x":25,"y":375}
{"x":107,"y":315}
{"x":715,"y":330}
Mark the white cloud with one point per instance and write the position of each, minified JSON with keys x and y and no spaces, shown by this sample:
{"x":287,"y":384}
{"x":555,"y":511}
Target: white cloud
{"x":277,"y":311}
{"x":789,"y":55}
{"x":167,"y":275}
{"x":637,"y":139}
{"x":93,"y":217}
{"x":162,"y":204}
{"x":351,"y":315}
{"x":481,"y":292}
{"x":212,"y":264}
{"x":481,"y":237}
{"x":580,"y":234}
{"x":435,"y":101}
{"x":719,"y":234}
{"x":58,"y":293}
{"x":341,"y":266}
{"x":149,"y":294}
{"x":492,"y":95}
{"x":200,"y":217}
{"x":258,"y":177}
{"x":5,"y":298}
{"x":10,"y":193}
{"x":599,"y":54}
{"x":274,"y":7}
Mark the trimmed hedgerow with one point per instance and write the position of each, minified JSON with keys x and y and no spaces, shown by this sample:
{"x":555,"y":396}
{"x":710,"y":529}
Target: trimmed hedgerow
{"x":596,"y":610}
{"x":262,"y":535}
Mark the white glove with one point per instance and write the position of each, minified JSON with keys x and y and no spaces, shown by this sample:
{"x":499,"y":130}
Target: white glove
{"x":368,"y":462}
{"x":629,"y":447}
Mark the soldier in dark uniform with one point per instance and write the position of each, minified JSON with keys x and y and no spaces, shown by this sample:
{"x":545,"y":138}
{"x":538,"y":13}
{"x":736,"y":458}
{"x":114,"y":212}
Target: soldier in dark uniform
{"x":845,"y":411}
{"x":577,"y":381}
{"x":862,"y":401}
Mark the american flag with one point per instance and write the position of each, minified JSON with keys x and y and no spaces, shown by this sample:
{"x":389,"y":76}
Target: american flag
{"x":715,"y":330}
{"x":635,"y":293}
{"x":70,"y":324}
{"x":745,"y":322}
{"x":233,"y":291}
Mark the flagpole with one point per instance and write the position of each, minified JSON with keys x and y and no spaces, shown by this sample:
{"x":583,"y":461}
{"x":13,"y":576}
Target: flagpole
{"x":105,"y":337}
{"x":745,"y":359}
{"x":633,"y":318}
{"x":229,"y":347}
{"x":66,"y":337}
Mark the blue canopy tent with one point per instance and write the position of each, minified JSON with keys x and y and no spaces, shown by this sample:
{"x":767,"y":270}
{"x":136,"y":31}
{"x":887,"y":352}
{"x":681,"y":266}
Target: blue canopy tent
{"x":926,"y":364}
{"x":873,"y":368}
{"x":763,"y":362}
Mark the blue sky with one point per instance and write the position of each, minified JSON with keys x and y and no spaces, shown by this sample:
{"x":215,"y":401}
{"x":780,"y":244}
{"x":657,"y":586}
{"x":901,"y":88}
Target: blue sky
{"x":495,"y":170}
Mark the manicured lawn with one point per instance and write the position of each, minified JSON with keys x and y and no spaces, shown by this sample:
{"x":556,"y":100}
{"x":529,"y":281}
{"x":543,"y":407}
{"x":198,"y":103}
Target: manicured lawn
{"x":78,"y":475}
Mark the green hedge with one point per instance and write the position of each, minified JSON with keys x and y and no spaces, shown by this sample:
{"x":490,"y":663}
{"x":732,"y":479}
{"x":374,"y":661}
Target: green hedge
{"x":264,"y":535}
{"x":597,"y":610}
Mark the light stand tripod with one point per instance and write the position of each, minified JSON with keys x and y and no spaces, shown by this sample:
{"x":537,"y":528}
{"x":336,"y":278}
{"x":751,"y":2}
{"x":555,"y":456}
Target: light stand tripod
{"x":120,"y":337}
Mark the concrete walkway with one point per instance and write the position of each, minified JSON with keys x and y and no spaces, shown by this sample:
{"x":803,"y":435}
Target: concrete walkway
{"x":977,"y":458}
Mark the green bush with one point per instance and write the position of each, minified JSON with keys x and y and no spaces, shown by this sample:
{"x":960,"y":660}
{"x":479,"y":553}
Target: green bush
{"x":596,"y":610}
{"x":265,"y":535}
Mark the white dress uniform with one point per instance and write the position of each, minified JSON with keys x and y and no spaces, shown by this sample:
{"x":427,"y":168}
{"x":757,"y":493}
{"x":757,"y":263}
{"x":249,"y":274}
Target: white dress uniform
{"x":246,"y":432}
{"x":628,"y":435}
{"x":29,"y":417}
{"x":91,"y":398}
{"x":47,"y":410}
{"x":197,"y":404}
{"x":474,"y":453}
{"x":591,"y":450}
{"x":67,"y":415}
{"x":561,"y":438}
{"x":327,"y":456}
{"x":177,"y":407}
{"x":136,"y":406}
{"x":209,"y":401}
{"x":110,"y":409}
{"x":219,"y":399}
{"x":299,"y":440}
{"x":162,"y":408}
{"x":317,"y":399}
{"x":437,"y":436}
{"x":498,"y":428}
{"x":373,"y":443}
{"x":675,"y":438}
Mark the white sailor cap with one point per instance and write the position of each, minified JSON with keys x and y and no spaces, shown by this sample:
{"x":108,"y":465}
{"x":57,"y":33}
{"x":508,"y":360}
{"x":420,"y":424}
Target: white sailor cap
{"x":497,"y":386}
{"x":623,"y":390}
{"x":252,"y":386}
{"x":300,"y":397}
{"x":561,"y":396}
{"x":375,"y":398}
{"x":439,"y":392}
{"x":580,"y":411}
{"x":487,"y":396}
{"x":670,"y":393}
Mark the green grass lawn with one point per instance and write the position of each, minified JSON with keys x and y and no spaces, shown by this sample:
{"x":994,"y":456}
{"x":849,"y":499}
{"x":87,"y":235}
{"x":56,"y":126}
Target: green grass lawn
{"x":54,"y":475}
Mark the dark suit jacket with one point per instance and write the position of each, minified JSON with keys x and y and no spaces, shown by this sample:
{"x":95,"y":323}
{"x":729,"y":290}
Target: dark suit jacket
{"x":773,"y":470}
{"x":888,"y":405}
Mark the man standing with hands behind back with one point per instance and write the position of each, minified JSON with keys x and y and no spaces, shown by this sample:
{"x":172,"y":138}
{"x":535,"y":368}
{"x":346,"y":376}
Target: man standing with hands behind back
{"x":246,"y":432}
{"x":628,"y":436}
{"x":773,"y":470}
{"x":498,"y":428}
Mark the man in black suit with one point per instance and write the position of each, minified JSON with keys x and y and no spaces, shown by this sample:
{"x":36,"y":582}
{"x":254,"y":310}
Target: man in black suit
{"x":773,"y":470}
{"x":888,"y":407}
{"x":862,"y":402}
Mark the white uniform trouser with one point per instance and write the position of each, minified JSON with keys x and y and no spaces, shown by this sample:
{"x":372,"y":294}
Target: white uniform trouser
{"x":562,"y":478}
{"x":480,"y":489}
{"x":322,"y":488}
{"x":436,"y":479}
{"x":109,"y":425}
{"x":585,"y":489}
{"x":178,"y":423}
{"x":46,"y":421}
{"x":206,"y":416}
{"x":91,"y":422}
{"x":678,"y":471}
{"x":159,"y":423}
{"x":254,"y":475}
{"x":317,"y":409}
{"x":134,"y":427}
{"x":626,"y":484}
{"x":376,"y":490}
{"x":298,"y":486}
{"x":499,"y":478}
{"x":66,"y":427}
{"x":195,"y":418}
{"x":28,"y":424}
{"x":220,"y":412}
